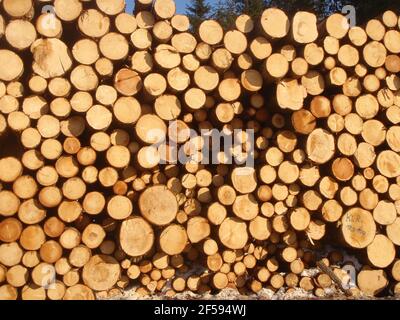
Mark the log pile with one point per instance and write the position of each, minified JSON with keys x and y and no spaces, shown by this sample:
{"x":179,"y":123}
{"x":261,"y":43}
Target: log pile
{"x":92,"y":202}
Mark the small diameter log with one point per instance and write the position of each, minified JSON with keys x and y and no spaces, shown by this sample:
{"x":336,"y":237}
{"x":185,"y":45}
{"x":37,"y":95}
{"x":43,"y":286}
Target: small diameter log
{"x":343,"y":169}
{"x":276,"y":66}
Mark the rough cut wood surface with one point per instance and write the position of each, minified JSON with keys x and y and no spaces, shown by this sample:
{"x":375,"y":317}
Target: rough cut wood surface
{"x":94,"y":200}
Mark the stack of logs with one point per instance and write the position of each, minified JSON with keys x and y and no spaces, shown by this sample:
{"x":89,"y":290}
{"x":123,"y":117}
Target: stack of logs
{"x":86,"y":206}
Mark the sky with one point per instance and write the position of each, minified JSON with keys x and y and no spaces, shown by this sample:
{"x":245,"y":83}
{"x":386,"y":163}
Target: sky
{"x":180,"y":5}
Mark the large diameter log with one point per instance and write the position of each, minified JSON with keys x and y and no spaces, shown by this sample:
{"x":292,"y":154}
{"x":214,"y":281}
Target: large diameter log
{"x":164,"y":9}
{"x":358,"y":228}
{"x":337,"y":25}
{"x":244,"y":179}
{"x":275,"y":23}
{"x":10,"y":230}
{"x":211,"y":32}
{"x":111,"y":7}
{"x":151,"y":129}
{"x":136,"y":236}
{"x":93,"y":23}
{"x":158,"y":205}
{"x":392,"y":231}
{"x":128,"y":82}
{"x":260,"y":228}
{"x":68,"y":10}
{"x":10,"y":169}
{"x":276,"y":66}
{"x":84,"y":78}
{"x":388,"y":164}
{"x":101,"y":272}
{"x":18,"y":9}
{"x":119,"y":207}
{"x":86,"y":51}
{"x":245,"y":207}
{"x":8,"y":292}
{"x":51,"y":58}
{"x":198,"y":229}
{"x":320,"y":146}
{"x":372,"y":282}
{"x":10,"y":254}
{"x":235,"y":42}
{"x":303,"y":121}
{"x":375,"y":54}
{"x":114,"y":46}
{"x":79,"y":292}
{"x":173,"y":239}
{"x":381,"y":251}
{"x":20,"y":34}
{"x":290,"y":94}
{"x":233,"y":233}
{"x":11,"y":65}
{"x":304,"y":27}
{"x":31,"y":212}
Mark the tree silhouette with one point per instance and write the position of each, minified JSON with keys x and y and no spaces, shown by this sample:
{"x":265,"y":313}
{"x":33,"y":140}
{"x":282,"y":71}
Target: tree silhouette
{"x":198,"y":11}
{"x":369,"y":9}
{"x":226,"y":11}
{"x":321,"y":8}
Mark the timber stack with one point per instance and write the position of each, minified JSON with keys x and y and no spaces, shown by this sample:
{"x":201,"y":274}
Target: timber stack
{"x":95,"y":102}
